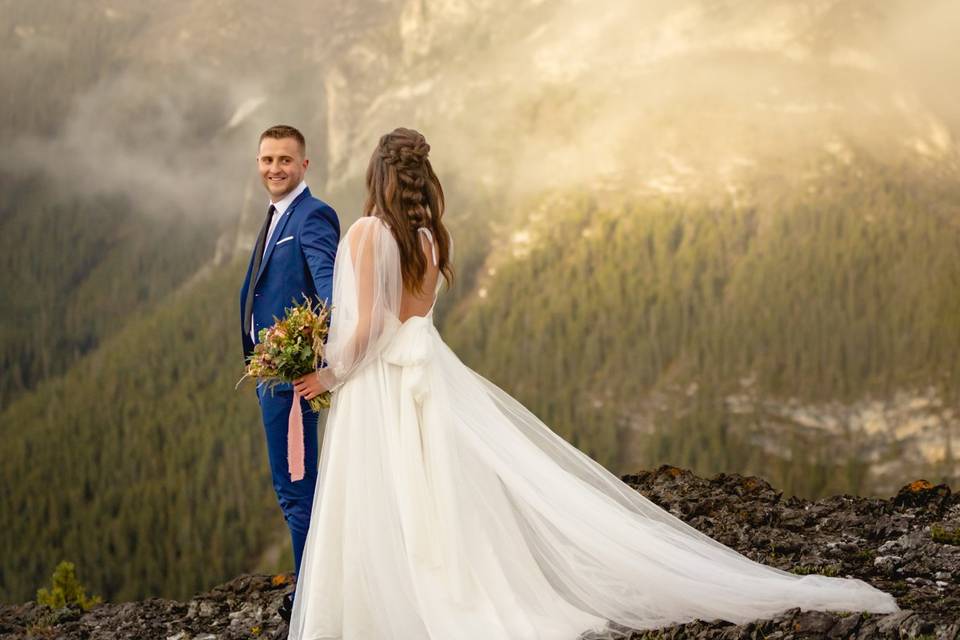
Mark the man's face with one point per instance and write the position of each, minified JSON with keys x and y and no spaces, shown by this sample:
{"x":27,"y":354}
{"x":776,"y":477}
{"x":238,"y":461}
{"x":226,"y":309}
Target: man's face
{"x":281,"y":165}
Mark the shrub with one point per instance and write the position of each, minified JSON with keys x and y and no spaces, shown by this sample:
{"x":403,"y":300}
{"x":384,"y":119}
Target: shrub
{"x":66,"y":590}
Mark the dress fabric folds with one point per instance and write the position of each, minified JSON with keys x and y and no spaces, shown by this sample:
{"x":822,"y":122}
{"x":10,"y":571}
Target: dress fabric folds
{"x":444,"y":509}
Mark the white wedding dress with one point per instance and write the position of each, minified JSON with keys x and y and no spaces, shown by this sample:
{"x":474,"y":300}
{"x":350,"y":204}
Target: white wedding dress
{"x":446,"y":510}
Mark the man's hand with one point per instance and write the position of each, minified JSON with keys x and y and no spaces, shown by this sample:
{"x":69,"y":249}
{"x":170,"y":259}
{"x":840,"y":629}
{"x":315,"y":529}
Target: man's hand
{"x":309,"y":385}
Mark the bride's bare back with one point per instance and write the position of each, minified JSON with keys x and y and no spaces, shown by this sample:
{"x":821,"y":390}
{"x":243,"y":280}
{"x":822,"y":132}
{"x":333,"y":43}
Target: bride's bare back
{"x":420,"y":304}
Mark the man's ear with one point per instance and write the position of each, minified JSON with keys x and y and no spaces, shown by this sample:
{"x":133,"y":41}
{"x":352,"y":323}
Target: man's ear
{"x":306,"y":161}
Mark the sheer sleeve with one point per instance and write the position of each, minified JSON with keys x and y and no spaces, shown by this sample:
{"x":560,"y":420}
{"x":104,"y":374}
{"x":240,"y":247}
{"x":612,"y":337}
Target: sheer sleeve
{"x":367,"y":287}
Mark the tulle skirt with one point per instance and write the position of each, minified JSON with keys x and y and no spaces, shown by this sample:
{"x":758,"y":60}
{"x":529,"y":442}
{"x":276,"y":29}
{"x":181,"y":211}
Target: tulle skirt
{"x":444,"y":509}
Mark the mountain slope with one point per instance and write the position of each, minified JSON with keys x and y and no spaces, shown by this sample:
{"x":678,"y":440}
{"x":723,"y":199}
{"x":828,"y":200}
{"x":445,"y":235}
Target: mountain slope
{"x":72,"y":270}
{"x":634,"y":319}
{"x":716,"y":233}
{"x":141,"y":463}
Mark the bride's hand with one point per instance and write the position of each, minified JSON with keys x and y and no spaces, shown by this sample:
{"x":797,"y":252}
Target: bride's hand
{"x":309,"y":385}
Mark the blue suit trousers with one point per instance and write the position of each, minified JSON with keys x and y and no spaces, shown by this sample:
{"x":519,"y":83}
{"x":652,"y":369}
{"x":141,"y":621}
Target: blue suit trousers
{"x":295,"y":498}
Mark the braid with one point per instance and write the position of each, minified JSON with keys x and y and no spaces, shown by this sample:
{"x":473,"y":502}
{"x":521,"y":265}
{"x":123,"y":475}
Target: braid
{"x":405,"y":151}
{"x":403,"y":190}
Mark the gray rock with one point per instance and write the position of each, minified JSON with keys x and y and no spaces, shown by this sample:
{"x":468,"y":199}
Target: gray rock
{"x":889,"y":624}
{"x":815,"y":623}
{"x":845,"y":626}
{"x":888,"y":564}
{"x":887,"y":543}
{"x":867,"y":631}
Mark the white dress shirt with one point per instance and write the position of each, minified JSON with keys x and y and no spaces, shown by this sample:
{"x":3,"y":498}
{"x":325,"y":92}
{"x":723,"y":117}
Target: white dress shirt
{"x":279,"y":209}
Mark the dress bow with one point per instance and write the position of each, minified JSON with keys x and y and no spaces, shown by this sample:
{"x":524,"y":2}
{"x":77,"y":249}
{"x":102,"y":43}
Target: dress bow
{"x":411,"y":347}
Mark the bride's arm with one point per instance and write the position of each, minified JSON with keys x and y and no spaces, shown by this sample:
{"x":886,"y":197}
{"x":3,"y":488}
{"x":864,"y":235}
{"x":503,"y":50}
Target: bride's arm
{"x":366,"y":294}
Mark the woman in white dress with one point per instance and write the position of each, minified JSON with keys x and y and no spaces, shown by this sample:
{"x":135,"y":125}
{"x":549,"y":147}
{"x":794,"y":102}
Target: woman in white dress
{"x":444,"y":509}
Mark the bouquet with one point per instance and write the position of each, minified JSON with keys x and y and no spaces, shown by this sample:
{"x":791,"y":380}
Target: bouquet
{"x":291,"y":348}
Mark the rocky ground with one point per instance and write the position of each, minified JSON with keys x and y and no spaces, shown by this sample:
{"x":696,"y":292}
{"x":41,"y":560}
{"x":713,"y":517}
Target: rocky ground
{"x":908,"y":545}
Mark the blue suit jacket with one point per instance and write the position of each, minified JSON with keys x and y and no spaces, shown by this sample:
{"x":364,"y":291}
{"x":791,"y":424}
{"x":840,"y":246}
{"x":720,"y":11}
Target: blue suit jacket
{"x":297,"y":263}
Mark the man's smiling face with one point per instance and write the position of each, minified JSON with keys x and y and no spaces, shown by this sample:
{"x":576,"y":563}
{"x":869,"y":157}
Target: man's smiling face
{"x":281,"y":163}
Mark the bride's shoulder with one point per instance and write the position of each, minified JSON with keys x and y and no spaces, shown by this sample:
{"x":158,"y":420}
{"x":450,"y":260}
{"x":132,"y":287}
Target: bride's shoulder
{"x":369,"y":231}
{"x":366,"y":224}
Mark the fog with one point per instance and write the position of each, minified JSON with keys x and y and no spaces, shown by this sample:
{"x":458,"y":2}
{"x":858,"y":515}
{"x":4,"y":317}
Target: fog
{"x":654,"y":96}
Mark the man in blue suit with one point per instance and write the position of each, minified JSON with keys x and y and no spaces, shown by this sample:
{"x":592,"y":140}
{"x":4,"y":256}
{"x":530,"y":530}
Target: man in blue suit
{"x":293,"y":257}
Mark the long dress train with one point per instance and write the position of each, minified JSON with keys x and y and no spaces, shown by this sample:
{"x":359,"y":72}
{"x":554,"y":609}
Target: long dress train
{"x":446,"y":510}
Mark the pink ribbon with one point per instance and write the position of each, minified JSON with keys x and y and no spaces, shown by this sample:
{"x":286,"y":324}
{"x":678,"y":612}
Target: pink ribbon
{"x":295,"y":453}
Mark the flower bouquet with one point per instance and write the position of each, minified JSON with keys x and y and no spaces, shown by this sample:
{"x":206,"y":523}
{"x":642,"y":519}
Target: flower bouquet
{"x":291,"y":348}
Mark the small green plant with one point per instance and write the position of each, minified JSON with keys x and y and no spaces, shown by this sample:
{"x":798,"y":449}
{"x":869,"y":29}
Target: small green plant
{"x":865,"y":554}
{"x":944,"y":535}
{"x":807,"y":569}
{"x":66,"y":590}
{"x":898,"y":588}
{"x":38,"y":630}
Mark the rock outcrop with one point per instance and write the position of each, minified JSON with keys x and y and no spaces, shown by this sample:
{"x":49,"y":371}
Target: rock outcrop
{"x":908,"y":545}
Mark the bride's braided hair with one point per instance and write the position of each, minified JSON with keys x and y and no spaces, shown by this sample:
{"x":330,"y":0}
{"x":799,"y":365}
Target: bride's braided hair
{"x":409,"y":161}
{"x":403,"y":189}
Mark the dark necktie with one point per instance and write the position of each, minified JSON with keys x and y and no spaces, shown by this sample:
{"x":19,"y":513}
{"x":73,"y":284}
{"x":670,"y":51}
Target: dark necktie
{"x":257,"y":259}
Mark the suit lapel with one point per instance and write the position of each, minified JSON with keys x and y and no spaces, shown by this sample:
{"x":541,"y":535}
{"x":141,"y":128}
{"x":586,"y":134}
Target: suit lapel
{"x":278,"y":232}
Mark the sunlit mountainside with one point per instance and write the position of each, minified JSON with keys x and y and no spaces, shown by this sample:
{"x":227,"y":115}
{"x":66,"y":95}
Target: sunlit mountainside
{"x":718,"y":234}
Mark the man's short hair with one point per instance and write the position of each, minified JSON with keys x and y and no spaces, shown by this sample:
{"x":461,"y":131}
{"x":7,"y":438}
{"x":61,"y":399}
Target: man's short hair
{"x":280,"y":131}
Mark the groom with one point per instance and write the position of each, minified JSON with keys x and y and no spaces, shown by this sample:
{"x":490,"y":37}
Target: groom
{"x":293,"y":257}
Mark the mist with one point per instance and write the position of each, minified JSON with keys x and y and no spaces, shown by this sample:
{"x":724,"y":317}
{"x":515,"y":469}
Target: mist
{"x":658,"y":97}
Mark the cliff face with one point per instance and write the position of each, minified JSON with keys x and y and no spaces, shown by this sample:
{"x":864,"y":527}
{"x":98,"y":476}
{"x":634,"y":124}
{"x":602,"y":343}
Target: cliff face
{"x":908,"y":545}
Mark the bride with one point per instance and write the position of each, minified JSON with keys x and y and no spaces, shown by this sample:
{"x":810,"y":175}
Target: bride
{"x":444,"y":509}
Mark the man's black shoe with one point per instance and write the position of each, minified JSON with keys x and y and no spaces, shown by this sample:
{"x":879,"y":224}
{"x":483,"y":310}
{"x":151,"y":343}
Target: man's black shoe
{"x":286,"y":607}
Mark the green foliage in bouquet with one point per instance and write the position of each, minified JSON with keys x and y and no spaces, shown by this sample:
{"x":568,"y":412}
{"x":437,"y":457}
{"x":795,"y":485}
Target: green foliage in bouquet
{"x":66,"y":590}
{"x":291,"y":347}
